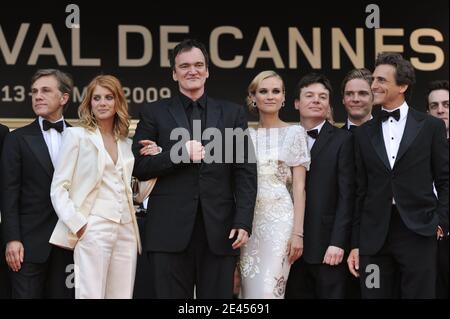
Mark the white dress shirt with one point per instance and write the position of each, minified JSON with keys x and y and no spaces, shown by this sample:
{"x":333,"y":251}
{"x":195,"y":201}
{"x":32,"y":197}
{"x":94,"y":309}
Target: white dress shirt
{"x":311,"y":140}
{"x":393,"y":133}
{"x":53,"y":139}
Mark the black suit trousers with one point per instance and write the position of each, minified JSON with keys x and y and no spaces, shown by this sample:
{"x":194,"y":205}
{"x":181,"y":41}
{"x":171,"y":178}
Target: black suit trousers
{"x":316,"y":281}
{"x":174,"y":275}
{"x":443,"y":269}
{"x":406,"y":257}
{"x":51,"y":279}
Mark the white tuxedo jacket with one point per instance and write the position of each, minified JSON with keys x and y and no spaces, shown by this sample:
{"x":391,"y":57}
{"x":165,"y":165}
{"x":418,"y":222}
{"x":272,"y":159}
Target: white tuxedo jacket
{"x":76,"y":181}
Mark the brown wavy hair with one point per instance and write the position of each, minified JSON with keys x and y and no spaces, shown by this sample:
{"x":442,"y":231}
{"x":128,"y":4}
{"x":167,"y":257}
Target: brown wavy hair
{"x":121,"y":118}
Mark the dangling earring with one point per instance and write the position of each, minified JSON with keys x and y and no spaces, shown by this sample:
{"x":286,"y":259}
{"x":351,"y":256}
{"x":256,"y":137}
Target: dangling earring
{"x":282,"y":104}
{"x":254,"y":104}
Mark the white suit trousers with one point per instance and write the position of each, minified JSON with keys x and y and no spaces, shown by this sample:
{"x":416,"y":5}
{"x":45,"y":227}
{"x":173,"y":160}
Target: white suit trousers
{"x":105,"y":260}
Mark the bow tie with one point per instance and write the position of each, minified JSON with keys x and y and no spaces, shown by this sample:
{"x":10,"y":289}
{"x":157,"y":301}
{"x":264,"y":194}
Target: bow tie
{"x":384,"y":115}
{"x":351,"y":127}
{"x":313,"y":133}
{"x":59,"y":126}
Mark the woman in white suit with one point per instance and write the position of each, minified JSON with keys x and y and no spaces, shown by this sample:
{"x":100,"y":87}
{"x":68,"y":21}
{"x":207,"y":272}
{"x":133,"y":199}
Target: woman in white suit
{"x":92,"y":196}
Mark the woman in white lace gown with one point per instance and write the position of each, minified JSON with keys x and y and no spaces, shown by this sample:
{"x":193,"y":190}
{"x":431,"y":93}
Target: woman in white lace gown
{"x":282,"y":159}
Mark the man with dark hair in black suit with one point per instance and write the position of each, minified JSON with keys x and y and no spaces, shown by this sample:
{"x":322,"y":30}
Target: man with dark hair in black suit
{"x":200,"y":212}
{"x":437,"y":105}
{"x":398,"y":156}
{"x":320,"y":272}
{"x":38,"y":269}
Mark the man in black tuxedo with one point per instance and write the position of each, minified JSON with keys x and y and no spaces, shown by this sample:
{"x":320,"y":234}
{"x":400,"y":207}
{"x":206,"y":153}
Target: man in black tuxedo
{"x":320,"y":273}
{"x":4,"y":278}
{"x":437,"y":106}
{"x":398,"y":155}
{"x":357,"y":98}
{"x":200,"y":213}
{"x":38,"y":269}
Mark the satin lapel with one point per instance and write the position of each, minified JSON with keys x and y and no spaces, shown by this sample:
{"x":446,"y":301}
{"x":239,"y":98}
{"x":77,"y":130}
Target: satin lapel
{"x":323,"y":138}
{"x":177,"y":110}
{"x":36,"y":142}
{"x":375,"y":133}
{"x":96,"y":139}
{"x":127,"y":158}
{"x":412,"y":128}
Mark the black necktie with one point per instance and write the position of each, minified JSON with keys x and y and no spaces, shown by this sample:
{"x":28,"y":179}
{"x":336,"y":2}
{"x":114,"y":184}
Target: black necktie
{"x":313,"y":133}
{"x":352,"y":128}
{"x":59,"y":126}
{"x":196,"y":115}
{"x":384,"y":115}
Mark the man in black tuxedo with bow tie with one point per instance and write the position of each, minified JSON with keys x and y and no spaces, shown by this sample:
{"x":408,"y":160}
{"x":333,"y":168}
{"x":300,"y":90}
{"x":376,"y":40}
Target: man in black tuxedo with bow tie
{"x":200,"y":212}
{"x":320,"y":272}
{"x":398,"y":156}
{"x":38,"y":269}
{"x":357,"y":98}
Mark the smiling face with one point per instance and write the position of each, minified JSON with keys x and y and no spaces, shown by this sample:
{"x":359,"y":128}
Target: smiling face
{"x":47,"y":100}
{"x":385,"y":89}
{"x":269,"y":95}
{"x":314,"y":102}
{"x":191,"y":72}
{"x":358,"y":99}
{"x":103,"y":104}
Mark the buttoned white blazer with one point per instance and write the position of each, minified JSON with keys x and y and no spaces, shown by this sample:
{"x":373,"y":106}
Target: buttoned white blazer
{"x":76,"y":181}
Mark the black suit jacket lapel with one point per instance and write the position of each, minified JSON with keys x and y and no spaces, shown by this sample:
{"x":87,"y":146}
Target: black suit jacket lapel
{"x":375,"y":133}
{"x":324,"y":136}
{"x":36,"y":142}
{"x":212,"y":113}
{"x":414,"y":123}
{"x":176,"y":109}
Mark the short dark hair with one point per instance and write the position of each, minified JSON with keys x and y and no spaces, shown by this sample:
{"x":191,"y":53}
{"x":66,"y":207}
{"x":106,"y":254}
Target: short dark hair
{"x":435,"y":85}
{"x":404,"y":71}
{"x":187,"y":45}
{"x":362,"y":74}
{"x":312,"y":78}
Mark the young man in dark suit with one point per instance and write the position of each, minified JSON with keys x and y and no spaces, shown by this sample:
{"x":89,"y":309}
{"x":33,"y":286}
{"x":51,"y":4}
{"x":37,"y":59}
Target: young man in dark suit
{"x":398,"y":156}
{"x":38,"y":269}
{"x":200,"y":213}
{"x":437,"y":106}
{"x":357,"y":98}
{"x":320,"y":272}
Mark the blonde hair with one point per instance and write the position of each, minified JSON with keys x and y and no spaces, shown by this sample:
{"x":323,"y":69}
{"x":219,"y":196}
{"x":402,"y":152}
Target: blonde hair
{"x":121,"y":118}
{"x":255,"y":84}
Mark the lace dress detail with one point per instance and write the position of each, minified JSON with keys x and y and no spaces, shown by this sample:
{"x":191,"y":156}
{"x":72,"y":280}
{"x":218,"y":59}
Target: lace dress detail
{"x":263,"y":263}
